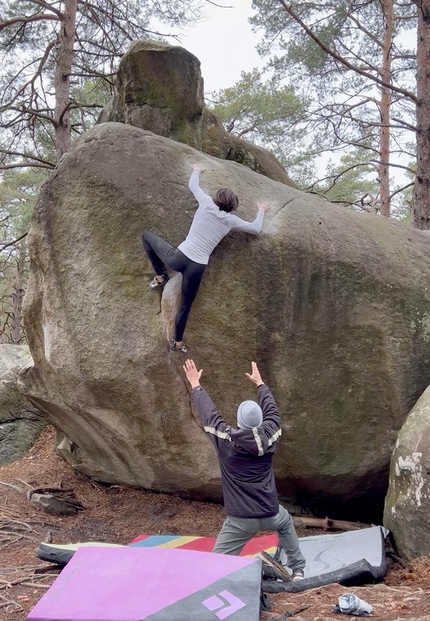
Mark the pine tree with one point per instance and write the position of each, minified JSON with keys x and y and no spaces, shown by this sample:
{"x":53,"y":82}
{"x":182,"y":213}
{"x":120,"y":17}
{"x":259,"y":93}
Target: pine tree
{"x":49,"y":48}
{"x":350,"y":55}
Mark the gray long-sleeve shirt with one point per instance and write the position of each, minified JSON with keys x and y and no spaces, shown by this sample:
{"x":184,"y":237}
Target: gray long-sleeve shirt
{"x":210,"y":224}
{"x":245,"y":456}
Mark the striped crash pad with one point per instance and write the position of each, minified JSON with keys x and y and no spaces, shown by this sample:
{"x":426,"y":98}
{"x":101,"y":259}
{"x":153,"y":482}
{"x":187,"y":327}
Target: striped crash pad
{"x":62,"y":553}
{"x":268,"y":543}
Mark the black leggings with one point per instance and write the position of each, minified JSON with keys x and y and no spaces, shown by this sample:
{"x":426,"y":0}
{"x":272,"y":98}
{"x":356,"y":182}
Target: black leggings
{"x":161,"y":253}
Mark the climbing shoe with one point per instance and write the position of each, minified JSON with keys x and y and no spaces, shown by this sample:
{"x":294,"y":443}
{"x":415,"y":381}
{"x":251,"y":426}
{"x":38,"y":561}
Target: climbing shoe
{"x":158,"y":283}
{"x":173,"y":347}
{"x":298,"y":574}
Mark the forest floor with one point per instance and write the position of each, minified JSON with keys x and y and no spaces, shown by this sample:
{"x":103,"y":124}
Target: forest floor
{"x":118,"y":514}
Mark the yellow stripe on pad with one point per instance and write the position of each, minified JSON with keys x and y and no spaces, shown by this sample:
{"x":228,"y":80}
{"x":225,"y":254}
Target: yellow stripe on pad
{"x":271,"y":550}
{"x":176,"y":543}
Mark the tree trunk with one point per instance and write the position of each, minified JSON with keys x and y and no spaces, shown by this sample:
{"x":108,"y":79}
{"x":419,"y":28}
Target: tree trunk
{"x":18,"y":295}
{"x":384,"y":135}
{"x":328,"y":524}
{"x":62,"y":78}
{"x":421,"y":198}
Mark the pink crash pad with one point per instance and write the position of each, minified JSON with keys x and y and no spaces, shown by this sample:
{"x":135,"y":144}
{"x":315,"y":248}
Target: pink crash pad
{"x":156,"y":584}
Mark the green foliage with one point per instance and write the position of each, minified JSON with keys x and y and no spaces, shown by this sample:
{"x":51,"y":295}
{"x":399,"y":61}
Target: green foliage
{"x":87,"y":101}
{"x":402,"y":201}
{"x":18,"y":192}
{"x":268,"y":114}
{"x":251,"y":105}
{"x":351,"y":181}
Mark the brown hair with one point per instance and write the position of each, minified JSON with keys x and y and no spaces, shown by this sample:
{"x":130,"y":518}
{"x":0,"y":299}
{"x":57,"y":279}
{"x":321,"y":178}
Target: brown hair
{"x":226,"y":200}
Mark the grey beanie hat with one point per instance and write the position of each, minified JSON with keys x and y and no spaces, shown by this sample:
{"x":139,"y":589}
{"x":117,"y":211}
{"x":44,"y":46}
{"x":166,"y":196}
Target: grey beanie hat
{"x":249,"y":415}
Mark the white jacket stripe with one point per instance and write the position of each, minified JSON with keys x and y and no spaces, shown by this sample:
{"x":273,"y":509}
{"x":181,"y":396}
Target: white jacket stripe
{"x":274,"y":437}
{"x":220,"y":434}
{"x":258,"y":441}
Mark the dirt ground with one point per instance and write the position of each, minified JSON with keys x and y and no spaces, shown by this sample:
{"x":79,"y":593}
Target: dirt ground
{"x":117,"y":514}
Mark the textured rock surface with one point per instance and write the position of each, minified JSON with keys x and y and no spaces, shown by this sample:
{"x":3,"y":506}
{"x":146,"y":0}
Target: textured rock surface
{"x":160,"y":88}
{"x":333,"y":305}
{"x":407,"y":506}
{"x":20,"y":422}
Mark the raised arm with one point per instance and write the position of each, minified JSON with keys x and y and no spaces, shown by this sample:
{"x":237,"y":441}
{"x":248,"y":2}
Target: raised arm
{"x":213,"y":423}
{"x":265,"y":398}
{"x":250,"y":227}
{"x":193,"y":183}
{"x":265,"y":436}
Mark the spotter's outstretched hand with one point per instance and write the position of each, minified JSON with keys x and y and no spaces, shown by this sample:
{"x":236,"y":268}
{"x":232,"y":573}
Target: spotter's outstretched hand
{"x":191,"y":373}
{"x":255,"y":376}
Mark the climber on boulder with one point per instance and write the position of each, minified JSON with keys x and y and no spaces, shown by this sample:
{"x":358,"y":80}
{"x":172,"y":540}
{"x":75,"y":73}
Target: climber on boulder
{"x":212,"y":221}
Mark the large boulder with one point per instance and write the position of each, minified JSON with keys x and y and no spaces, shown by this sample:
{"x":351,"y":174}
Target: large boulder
{"x":20,"y":422}
{"x":407,"y":505}
{"x":159,"y":87}
{"x":332,"y":304}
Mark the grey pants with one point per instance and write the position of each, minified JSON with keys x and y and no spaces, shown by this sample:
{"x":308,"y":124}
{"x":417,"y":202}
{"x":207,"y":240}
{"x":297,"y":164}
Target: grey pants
{"x":236,"y":532}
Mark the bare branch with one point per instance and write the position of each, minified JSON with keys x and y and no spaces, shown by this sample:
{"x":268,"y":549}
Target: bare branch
{"x":27,"y":156}
{"x":405,"y":187}
{"x":343,"y":61}
{"x":220,"y":6}
{"x":365,"y":30}
{"x":26,"y":20}
{"x":34,"y":77}
{"x":391,"y":165}
{"x":13,"y":242}
{"x":334,"y":178}
{"x":413,"y":128}
{"x":47,"y":6}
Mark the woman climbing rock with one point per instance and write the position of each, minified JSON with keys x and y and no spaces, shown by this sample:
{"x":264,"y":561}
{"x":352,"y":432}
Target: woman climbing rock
{"x":212,"y":221}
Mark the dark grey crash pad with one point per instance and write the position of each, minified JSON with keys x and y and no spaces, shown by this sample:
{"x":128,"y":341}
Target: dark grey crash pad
{"x":62,"y":553}
{"x":351,"y":558}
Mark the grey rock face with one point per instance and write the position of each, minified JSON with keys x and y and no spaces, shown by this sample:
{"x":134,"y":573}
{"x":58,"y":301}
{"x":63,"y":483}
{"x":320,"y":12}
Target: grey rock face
{"x":20,"y":422}
{"x":333,"y":305}
{"x":160,"y":89}
{"x":407,"y":505}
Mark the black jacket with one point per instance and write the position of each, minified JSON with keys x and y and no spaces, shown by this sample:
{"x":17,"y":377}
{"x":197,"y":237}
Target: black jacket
{"x":245,"y":456}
